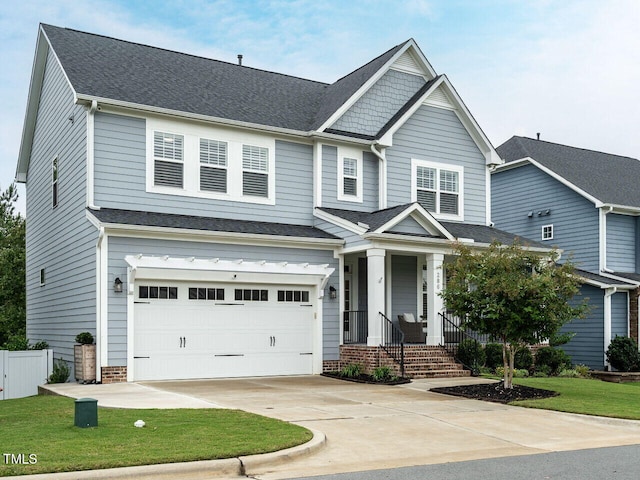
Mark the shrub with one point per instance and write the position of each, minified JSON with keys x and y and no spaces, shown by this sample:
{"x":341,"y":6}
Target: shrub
{"x":520,"y":372}
{"x":41,"y":345}
{"x":500,"y":372}
{"x":493,"y":355}
{"x":623,"y":354}
{"x":569,"y":373}
{"x":540,"y":374}
{"x":16,"y":343}
{"x":84,"y":338}
{"x":471,"y":354}
{"x":383,"y":374}
{"x":523,"y":359}
{"x":60,"y":372}
{"x":552,"y":360}
{"x":583,"y":371}
{"x":352,"y":370}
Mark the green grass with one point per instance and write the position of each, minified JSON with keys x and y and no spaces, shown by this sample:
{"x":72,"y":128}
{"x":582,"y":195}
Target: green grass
{"x":586,"y":396}
{"x":44,"y":426}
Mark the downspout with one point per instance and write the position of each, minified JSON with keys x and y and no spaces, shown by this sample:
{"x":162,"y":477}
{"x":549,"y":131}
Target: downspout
{"x":603,"y":238}
{"x":382,"y":176}
{"x":608,"y":293}
{"x":90,"y":157}
{"x":99,"y":338}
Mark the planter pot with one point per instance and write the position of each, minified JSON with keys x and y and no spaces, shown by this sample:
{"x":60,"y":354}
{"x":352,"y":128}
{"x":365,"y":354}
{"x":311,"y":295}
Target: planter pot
{"x":85,"y":363}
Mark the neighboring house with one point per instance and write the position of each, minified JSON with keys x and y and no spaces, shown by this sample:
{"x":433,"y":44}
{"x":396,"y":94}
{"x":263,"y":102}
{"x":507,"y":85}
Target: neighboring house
{"x":207,"y":219}
{"x":588,"y":204}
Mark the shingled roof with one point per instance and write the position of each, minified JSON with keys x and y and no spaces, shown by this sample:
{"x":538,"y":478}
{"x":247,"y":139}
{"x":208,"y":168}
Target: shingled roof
{"x":611,"y":179}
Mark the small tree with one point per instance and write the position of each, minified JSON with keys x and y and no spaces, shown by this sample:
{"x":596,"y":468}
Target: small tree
{"x":517,"y":296}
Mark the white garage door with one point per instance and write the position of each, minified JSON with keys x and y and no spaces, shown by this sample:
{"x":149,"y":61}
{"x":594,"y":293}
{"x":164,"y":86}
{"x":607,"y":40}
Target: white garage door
{"x":187,"y":330}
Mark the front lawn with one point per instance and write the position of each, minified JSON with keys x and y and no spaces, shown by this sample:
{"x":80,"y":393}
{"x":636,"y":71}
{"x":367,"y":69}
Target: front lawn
{"x":43,"y":426}
{"x":586,"y":396}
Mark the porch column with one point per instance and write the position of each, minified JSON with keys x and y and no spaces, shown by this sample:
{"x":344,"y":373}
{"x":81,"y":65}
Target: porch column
{"x":434,"y":300}
{"x":375,"y":294}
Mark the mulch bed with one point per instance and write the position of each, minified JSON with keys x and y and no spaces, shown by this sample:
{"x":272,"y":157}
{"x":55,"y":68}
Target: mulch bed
{"x":364,"y":378}
{"x":495,"y":392}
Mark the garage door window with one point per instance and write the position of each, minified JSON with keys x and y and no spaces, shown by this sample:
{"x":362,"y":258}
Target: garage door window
{"x":252,"y":295}
{"x":206,"y":293}
{"x":293,"y":295}
{"x":169,"y":293}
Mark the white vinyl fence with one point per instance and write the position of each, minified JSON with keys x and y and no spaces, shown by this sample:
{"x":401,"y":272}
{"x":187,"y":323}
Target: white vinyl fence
{"x":21,"y":372}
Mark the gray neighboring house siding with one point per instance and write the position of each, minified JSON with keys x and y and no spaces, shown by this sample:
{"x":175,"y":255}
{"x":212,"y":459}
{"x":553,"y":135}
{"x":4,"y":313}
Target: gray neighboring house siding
{"x":330,"y":182}
{"x":586,"y":347}
{"x":404,"y":286}
{"x":120,"y":163}
{"x":408,"y":225}
{"x":61,"y":240}
{"x":621,"y":242}
{"x":619,"y":314}
{"x":119,"y":247}
{"x":437,"y":135}
{"x":525,"y":189}
{"x":370,"y":113}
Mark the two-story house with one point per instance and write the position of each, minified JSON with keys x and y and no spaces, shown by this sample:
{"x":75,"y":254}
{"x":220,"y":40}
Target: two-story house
{"x":208,"y":219}
{"x":588,"y":204}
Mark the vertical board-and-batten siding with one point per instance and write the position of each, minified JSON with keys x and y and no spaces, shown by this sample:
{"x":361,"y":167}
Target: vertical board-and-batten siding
{"x":404,"y":286}
{"x":523,"y":190}
{"x":587,"y":345}
{"x":380,"y":103}
{"x":330,"y":168}
{"x":621,"y":242}
{"x":119,"y":247}
{"x":437,"y":135}
{"x":61,"y":240}
{"x":120,"y":178}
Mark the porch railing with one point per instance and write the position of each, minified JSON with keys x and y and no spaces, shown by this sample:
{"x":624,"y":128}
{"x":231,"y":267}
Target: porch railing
{"x":452,"y":335}
{"x":393,"y":341}
{"x":355,"y":326}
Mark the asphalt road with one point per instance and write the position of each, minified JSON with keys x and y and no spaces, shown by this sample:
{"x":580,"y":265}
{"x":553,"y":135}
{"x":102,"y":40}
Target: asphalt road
{"x":614,"y":463}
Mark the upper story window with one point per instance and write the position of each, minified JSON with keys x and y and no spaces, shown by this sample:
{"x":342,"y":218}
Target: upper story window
{"x":349,"y":174}
{"x":438,"y":188}
{"x":547,"y":232}
{"x":168,"y":154}
{"x":213,"y":165}
{"x":54,"y":182}
{"x":255,"y":171}
{"x":197,"y":160}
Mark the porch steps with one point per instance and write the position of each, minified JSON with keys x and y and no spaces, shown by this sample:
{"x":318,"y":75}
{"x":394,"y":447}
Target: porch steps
{"x":424,"y":361}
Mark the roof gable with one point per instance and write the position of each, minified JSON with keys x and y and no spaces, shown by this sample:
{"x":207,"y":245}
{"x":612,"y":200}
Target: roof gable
{"x":602,"y":178}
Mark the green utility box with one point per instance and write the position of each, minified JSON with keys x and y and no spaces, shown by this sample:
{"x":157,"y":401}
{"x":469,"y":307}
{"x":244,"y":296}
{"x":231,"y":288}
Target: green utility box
{"x":86,"y":413}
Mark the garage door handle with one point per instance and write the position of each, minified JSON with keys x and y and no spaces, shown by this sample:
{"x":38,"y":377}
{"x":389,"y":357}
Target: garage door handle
{"x":184,"y":342}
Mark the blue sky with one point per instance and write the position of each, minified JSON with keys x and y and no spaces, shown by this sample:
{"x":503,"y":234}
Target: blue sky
{"x":569,"y":69}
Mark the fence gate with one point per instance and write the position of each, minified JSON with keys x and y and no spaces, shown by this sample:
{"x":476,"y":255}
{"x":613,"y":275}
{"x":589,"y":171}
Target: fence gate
{"x":22,"y":371}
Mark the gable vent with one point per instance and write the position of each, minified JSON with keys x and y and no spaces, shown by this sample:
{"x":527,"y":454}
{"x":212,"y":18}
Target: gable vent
{"x":407,"y":63}
{"x":439,"y":99}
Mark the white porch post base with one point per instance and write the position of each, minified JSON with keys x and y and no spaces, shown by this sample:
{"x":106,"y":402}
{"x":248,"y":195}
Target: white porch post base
{"x":434,"y":301}
{"x":375,"y":294}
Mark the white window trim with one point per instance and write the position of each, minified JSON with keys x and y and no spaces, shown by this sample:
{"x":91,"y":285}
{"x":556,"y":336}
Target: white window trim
{"x":349,"y":152}
{"x":550,"y":226}
{"x":192,"y":133}
{"x":415,"y":163}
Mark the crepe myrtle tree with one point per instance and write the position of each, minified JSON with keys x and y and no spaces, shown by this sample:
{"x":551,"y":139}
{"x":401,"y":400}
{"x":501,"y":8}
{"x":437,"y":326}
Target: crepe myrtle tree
{"x":515,"y":295}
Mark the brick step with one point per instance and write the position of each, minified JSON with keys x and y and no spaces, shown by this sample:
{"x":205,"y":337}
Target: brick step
{"x":433,"y":368}
{"x":442,"y":374}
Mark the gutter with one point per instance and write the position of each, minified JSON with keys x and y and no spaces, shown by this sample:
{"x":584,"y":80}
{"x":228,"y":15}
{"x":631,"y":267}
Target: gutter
{"x":90,"y":155}
{"x":382,"y":175}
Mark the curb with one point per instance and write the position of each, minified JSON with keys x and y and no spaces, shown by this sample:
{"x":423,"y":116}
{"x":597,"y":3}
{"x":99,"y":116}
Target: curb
{"x":237,"y":466}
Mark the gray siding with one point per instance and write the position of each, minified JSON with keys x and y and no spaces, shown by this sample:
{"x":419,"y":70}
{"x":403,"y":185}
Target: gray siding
{"x":621,"y":242}
{"x":619,"y":315}
{"x":119,"y":247}
{"x":587,"y":346}
{"x":60,"y":239}
{"x":330,"y":182}
{"x":376,"y":107}
{"x":351,"y":239}
{"x":437,"y":135}
{"x":526,"y":189}
{"x":409,"y":225}
{"x":120,"y":166}
{"x":404,"y":286}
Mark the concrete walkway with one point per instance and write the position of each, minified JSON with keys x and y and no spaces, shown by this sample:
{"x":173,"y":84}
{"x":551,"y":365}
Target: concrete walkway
{"x":372,"y":426}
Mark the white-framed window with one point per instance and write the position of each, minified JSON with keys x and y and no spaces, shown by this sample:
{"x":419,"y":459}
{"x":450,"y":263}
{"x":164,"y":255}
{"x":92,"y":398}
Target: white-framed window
{"x":213,"y":165}
{"x":350,"y":174}
{"x":209,"y":162}
{"x":168,"y":154}
{"x":547,"y":232}
{"x":255,"y":171}
{"x":54,"y":182}
{"x":438,"y":188}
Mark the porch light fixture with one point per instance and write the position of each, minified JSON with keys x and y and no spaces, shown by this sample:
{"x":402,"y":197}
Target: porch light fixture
{"x":117,"y":285}
{"x":333,"y":293}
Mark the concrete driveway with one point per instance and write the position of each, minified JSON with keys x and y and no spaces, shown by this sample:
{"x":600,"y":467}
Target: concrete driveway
{"x":372,"y":426}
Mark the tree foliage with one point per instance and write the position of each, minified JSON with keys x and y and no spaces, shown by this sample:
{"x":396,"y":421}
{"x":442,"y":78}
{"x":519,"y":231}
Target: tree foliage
{"x":12,"y":267}
{"x":517,"y":296}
